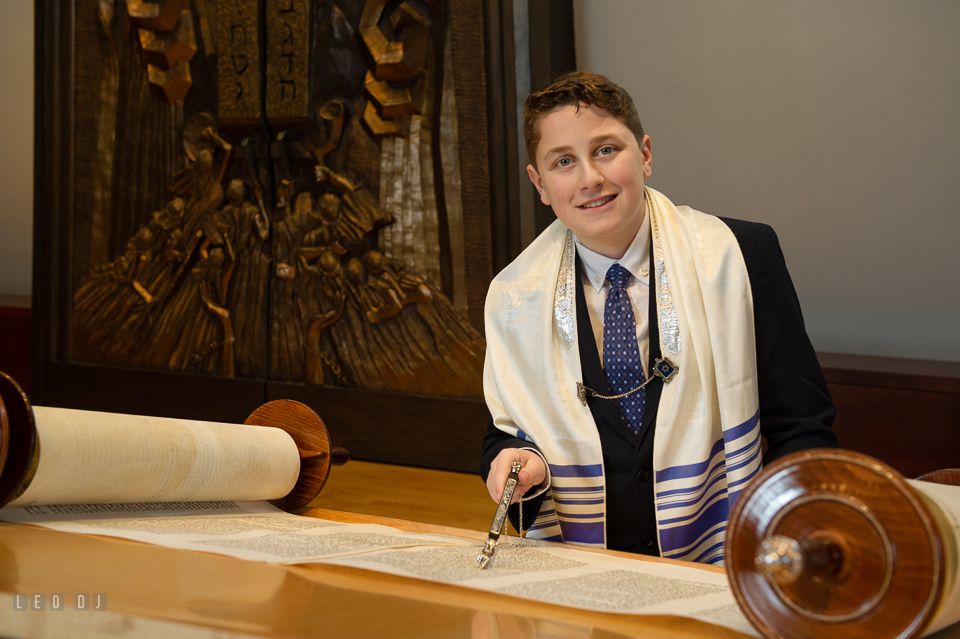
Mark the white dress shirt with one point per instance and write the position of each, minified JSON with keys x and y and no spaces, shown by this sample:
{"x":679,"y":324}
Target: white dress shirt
{"x":595,"y":288}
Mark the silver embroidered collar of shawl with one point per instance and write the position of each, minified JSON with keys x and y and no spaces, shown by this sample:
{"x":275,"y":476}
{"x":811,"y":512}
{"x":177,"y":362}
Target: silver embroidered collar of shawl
{"x":564,"y":300}
{"x":666,"y":313}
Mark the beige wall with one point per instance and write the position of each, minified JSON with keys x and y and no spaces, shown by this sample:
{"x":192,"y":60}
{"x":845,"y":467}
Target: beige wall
{"x":16,"y":143}
{"x":838,"y":123}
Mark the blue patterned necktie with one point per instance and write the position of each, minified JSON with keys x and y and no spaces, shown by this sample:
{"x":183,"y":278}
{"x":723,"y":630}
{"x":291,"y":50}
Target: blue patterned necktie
{"x":621,"y":354}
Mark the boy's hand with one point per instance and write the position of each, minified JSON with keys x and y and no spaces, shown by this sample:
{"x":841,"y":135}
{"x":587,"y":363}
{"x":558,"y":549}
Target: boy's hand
{"x":532,"y":475}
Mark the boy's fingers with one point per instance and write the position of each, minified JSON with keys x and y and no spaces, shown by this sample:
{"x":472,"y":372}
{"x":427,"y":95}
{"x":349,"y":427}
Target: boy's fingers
{"x":532,"y":474}
{"x":499,"y":471}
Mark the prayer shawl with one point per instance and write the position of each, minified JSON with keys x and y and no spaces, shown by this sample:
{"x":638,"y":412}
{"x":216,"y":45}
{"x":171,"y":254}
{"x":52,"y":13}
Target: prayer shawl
{"x":707,"y":437}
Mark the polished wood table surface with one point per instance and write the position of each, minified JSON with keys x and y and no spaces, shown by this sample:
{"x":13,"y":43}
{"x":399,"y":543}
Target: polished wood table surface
{"x":151,"y":591}
{"x":156,"y":591}
{"x":402,"y":492}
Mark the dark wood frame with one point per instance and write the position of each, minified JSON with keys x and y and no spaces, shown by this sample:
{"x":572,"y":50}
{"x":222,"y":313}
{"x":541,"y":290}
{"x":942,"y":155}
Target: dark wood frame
{"x":437,"y":432}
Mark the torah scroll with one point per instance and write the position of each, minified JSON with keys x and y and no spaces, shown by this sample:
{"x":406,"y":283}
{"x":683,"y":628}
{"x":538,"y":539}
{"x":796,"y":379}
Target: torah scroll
{"x":65,"y":456}
{"x":94,"y":458}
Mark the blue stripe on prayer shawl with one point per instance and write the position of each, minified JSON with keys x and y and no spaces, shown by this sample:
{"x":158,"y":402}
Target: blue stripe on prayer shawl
{"x":752,"y":472}
{"x":735,"y":487}
{"x":694,"y":499}
{"x":577,"y":489}
{"x":702,"y":526}
{"x":683,"y":536}
{"x":737,"y":432}
{"x":593,"y":515}
{"x":575,"y":470}
{"x":692,"y":470}
{"x":582,"y":532}
{"x":546,"y":519}
{"x":709,"y":551}
{"x":712,"y":555}
{"x":716,"y":471}
{"x":522,"y":435}
{"x":552,"y":538}
{"x":719,"y":498}
{"x":712,"y":536}
{"x":719,"y":495}
{"x":744,"y":452}
{"x":578,"y":502}
{"x":743,"y":480}
{"x":734,"y":494}
{"x":745,"y":449}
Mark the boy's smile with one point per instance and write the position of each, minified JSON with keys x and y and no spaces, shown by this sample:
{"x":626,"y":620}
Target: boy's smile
{"x":591,"y":171}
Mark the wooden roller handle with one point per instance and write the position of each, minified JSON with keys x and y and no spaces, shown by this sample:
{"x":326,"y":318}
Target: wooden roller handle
{"x":947,"y":476}
{"x":338,"y":456}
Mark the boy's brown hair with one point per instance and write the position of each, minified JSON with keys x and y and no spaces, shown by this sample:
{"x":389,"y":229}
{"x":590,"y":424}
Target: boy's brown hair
{"x":576,"y":88}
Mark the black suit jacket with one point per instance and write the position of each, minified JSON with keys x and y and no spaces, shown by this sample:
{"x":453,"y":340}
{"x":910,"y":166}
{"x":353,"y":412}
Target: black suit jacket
{"x":796,"y":411}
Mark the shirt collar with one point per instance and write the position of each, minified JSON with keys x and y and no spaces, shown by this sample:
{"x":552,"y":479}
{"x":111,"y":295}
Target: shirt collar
{"x":635,"y":260}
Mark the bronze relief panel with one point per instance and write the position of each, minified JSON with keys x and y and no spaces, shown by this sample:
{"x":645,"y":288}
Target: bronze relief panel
{"x":283,"y":203}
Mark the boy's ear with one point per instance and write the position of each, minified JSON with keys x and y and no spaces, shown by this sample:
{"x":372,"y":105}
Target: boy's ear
{"x":646,"y":151}
{"x":538,"y":182}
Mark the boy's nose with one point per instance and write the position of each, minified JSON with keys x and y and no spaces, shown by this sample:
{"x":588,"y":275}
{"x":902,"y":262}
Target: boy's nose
{"x":590,"y":177}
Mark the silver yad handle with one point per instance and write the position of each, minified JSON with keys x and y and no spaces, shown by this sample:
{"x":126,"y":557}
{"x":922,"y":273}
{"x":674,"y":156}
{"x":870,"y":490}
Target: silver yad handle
{"x":500,"y":518}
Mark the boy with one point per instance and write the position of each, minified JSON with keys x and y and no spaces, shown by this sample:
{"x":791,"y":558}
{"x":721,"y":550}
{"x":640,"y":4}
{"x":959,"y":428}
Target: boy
{"x":637,"y":351}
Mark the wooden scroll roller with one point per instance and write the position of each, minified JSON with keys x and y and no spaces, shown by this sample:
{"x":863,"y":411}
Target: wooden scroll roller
{"x":833,"y":543}
{"x":281,"y":453}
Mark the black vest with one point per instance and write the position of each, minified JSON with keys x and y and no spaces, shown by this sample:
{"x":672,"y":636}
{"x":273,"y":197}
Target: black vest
{"x":627,"y":458}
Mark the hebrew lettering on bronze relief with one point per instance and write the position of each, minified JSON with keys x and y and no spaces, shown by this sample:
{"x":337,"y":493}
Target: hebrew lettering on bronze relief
{"x":288,"y":62}
{"x":238,"y":62}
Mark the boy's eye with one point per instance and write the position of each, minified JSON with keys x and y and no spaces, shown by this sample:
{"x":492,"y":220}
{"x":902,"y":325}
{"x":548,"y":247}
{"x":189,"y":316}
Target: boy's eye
{"x":605,"y":150}
{"x":564,"y":162}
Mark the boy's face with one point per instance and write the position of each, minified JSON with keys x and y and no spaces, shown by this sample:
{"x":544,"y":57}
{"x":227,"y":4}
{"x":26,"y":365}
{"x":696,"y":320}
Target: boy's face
{"x":591,"y":171}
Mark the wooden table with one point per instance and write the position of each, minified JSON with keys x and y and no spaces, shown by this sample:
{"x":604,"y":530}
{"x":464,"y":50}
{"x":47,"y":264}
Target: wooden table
{"x":155,"y":591}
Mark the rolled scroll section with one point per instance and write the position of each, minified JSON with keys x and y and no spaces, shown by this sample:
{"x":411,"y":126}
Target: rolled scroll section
{"x":63,"y":456}
{"x":836,"y":543}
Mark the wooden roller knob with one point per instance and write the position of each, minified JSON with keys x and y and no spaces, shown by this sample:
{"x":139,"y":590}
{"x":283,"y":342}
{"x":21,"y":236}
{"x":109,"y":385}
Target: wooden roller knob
{"x":783,"y":560}
{"x":832,"y":543}
{"x":310,"y":435}
{"x":18,"y":438}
